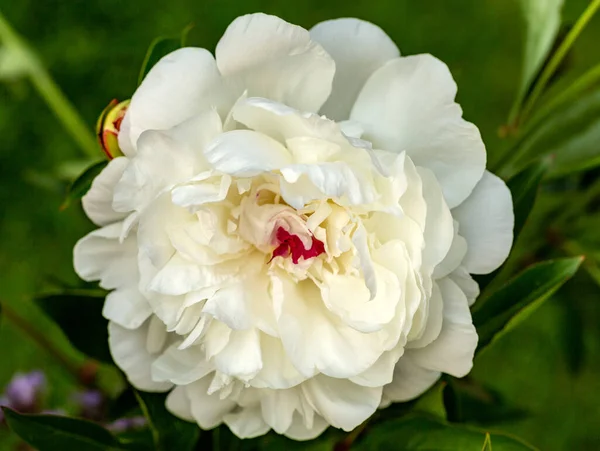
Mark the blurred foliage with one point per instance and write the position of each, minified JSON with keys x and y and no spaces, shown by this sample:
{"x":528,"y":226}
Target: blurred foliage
{"x":546,"y":369}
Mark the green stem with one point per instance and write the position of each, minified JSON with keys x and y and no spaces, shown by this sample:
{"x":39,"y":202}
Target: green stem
{"x":41,"y":340}
{"x":50,"y":92}
{"x":557,"y":58}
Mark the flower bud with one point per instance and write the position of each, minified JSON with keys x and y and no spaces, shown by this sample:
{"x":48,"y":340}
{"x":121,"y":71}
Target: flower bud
{"x":108,"y":126}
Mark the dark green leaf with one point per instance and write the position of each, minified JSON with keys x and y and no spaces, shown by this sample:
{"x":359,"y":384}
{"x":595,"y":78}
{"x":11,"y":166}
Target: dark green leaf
{"x":523,"y":188}
{"x":542,"y":22}
{"x":421,"y":433}
{"x":571,"y":135}
{"x":56,"y":433}
{"x":471,"y":402}
{"x":80,"y":318}
{"x":509,"y":305}
{"x":168,"y":431}
{"x":82,"y":184}
{"x":158,"y":48}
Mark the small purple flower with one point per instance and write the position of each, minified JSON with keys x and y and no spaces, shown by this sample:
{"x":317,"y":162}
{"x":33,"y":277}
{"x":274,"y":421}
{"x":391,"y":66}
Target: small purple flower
{"x":125,"y":424}
{"x":24,"y":390}
{"x":91,"y":403}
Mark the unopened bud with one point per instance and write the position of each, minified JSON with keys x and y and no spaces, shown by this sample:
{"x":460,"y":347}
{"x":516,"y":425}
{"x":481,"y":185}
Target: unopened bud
{"x":108,"y":127}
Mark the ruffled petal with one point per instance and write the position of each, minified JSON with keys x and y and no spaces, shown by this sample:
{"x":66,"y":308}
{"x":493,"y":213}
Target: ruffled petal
{"x":486,"y":221}
{"x":410,"y":380}
{"x":181,"y":85}
{"x":342,"y":403}
{"x":453,"y":350}
{"x":408,"y":105}
{"x":271,"y":58}
{"x":358,"y":49}
{"x":129,"y":351}
{"x":97,"y":202}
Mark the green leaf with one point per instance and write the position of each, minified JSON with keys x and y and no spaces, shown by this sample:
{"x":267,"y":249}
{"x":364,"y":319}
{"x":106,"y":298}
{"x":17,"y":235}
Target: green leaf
{"x":421,"y":433}
{"x":570,"y":135}
{"x":504,"y":309}
{"x":158,"y":48}
{"x":168,"y":431}
{"x":524,"y":188}
{"x":542,"y":22}
{"x":82,"y":184}
{"x":468,"y":401}
{"x":432,"y":402}
{"x":56,"y":433}
{"x":80,"y":318}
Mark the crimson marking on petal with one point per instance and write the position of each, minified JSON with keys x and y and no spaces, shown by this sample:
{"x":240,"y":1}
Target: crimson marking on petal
{"x":292,"y":245}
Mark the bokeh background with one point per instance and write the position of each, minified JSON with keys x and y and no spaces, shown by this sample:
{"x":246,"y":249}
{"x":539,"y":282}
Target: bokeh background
{"x":549,"y":367}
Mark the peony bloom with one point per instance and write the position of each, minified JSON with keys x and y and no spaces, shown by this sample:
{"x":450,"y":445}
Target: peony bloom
{"x":290,"y":233}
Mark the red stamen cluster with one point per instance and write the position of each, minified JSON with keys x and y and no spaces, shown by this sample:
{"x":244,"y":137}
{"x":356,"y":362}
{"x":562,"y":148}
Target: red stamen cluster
{"x":292,"y":245}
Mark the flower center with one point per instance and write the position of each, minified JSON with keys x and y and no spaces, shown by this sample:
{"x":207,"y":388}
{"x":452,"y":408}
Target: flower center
{"x":292,"y":245}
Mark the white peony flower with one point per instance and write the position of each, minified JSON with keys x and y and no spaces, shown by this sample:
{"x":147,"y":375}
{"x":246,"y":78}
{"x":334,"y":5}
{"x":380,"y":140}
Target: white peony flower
{"x":290,"y":232}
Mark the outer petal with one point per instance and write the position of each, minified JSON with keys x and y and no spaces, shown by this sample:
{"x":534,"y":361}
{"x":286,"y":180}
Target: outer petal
{"x":452,"y":351}
{"x":100,"y":256}
{"x":207,"y":410}
{"x":358,"y":49}
{"x":410,"y":380}
{"x":129,"y":351}
{"x":179,"y":86}
{"x":97,"y":203}
{"x":127,"y":307}
{"x":271,"y":58}
{"x":179,"y":404}
{"x":342,"y":403}
{"x":486,"y":221}
{"x":247,"y":423}
{"x":299,"y":431}
{"x":408,"y":104}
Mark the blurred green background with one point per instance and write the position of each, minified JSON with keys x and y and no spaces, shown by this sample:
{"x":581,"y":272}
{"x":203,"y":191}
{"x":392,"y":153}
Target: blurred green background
{"x":549,"y":367}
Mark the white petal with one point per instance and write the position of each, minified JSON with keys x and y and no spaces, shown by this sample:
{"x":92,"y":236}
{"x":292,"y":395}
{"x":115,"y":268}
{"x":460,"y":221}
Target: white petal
{"x":408,"y":104}
{"x":349,"y":297}
{"x":463,"y":279}
{"x":207,"y":410}
{"x":179,"y":404}
{"x":439,"y":225}
{"x":247,"y":423}
{"x":277,"y":371}
{"x":452,"y":351}
{"x":278,"y":407}
{"x":299,"y":431}
{"x":271,"y":58}
{"x":358,"y":49}
{"x":213,"y":190}
{"x":242,"y":356}
{"x":127,"y":307}
{"x":100,"y":256}
{"x":410,"y":380}
{"x":455,"y":255}
{"x":181,"y":85}
{"x":433,"y":319}
{"x":283,"y":123}
{"x":315,"y":339}
{"x":244,"y":153}
{"x":486,"y":221}
{"x":161,"y":162}
{"x":382,"y":371}
{"x":181,"y":366}
{"x":97,"y":203}
{"x":342,"y":403}
{"x":128,"y":349}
